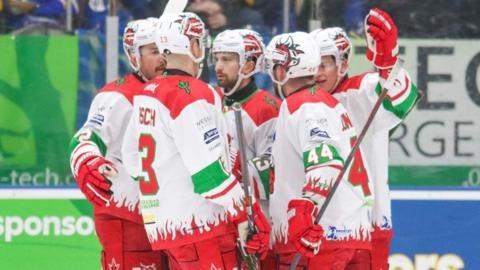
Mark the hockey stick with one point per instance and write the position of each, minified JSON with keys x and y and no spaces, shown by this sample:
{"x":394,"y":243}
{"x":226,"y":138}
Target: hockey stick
{"x":387,"y":85}
{"x":247,"y":188}
{"x":175,"y":6}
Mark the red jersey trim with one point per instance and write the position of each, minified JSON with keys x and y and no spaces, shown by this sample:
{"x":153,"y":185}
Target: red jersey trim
{"x":352,"y":83}
{"x":127,"y":86}
{"x":309,"y":95}
{"x":262,"y":107}
{"x":196,"y":236}
{"x":176,"y":92}
{"x":402,"y":92}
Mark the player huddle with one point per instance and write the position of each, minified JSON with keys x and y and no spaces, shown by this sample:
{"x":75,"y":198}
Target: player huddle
{"x":159,"y":155}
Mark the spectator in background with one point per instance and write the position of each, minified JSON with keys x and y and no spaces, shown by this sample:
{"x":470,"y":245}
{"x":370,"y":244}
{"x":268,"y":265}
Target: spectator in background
{"x":144,"y":8}
{"x":272,"y":14}
{"x":94,"y":12}
{"x":29,"y":16}
{"x":222,"y":14}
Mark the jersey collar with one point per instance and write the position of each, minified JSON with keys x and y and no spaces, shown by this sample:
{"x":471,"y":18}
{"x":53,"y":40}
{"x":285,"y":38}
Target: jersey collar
{"x":174,"y":71}
{"x":242,"y":94}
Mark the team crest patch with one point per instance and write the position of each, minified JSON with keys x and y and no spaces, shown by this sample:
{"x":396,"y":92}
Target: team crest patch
{"x":184,"y":86}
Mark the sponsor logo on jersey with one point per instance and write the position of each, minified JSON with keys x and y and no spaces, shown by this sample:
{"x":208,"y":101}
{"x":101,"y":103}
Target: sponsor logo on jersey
{"x":386,"y":224}
{"x":311,"y":123}
{"x":317,"y":132}
{"x":337,"y":234}
{"x":203,"y":122}
{"x":97,"y":119}
{"x":211,"y":135}
{"x":146,"y":204}
{"x":148,"y":219}
{"x":151,"y":87}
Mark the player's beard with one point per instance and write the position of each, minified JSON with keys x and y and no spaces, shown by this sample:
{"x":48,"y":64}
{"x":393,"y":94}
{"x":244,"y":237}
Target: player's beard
{"x":227,"y":83}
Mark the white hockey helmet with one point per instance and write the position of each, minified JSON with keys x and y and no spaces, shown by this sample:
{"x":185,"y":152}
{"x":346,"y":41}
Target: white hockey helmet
{"x":335,"y":42}
{"x":175,"y":31}
{"x":138,"y":33}
{"x":297,"y":52}
{"x":247,"y":44}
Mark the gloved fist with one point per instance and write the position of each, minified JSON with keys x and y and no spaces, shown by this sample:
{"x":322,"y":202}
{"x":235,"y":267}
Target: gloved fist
{"x":381,"y":35}
{"x":92,"y":175}
{"x":305,"y":235}
{"x":255,"y":243}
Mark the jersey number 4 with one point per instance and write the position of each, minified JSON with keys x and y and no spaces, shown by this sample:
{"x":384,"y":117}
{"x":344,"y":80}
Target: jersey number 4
{"x":358,"y":175}
{"x":148,"y":186}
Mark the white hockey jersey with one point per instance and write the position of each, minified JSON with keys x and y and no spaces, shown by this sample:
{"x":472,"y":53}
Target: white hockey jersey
{"x":259,"y":115}
{"x":358,"y":95}
{"x":103,"y":133}
{"x":314,"y":136}
{"x":185,"y":182}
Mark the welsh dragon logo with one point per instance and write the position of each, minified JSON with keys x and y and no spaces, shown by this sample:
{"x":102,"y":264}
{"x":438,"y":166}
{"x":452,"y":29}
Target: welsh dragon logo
{"x":191,"y":26}
{"x":289,"y":49}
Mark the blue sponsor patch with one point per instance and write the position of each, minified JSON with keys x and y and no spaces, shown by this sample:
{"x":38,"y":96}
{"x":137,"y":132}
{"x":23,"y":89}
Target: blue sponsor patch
{"x":210,"y":135}
{"x":97,"y":119}
{"x":316,"y":132}
{"x":334,"y":233}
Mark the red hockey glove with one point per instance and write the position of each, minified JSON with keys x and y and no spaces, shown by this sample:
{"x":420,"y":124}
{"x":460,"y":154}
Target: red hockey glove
{"x":381,"y":35}
{"x":305,"y":235}
{"x":92,"y":178}
{"x":255,"y":243}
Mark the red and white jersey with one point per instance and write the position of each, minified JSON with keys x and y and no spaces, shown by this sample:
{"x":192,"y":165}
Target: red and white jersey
{"x":259,"y":115}
{"x":103,"y":133}
{"x":358,"y":95}
{"x":186,"y":186}
{"x":314,"y":136}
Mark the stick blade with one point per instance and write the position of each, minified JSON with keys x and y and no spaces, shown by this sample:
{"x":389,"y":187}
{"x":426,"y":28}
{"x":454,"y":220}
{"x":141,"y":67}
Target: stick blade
{"x":175,"y":6}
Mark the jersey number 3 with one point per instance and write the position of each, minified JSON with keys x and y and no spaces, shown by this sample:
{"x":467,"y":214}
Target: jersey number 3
{"x":358,"y":175}
{"x":148,"y":186}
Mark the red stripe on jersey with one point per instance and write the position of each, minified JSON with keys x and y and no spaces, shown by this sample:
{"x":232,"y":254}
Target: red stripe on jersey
{"x":128,"y":86}
{"x":223,"y":192}
{"x":397,"y":96}
{"x":297,"y":99}
{"x":177,"y":91}
{"x":352,"y":83}
{"x":261,"y":107}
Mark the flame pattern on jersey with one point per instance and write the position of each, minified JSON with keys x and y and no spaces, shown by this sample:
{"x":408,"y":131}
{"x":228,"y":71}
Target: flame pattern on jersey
{"x":358,"y":95}
{"x":312,"y":141}
{"x":102,"y":134}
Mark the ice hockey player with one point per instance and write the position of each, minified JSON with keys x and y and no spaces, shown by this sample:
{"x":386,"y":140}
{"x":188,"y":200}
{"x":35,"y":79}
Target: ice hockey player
{"x":192,"y":206}
{"x":238,"y":55}
{"x":96,"y":161}
{"x":313,"y":137}
{"x":358,"y":95}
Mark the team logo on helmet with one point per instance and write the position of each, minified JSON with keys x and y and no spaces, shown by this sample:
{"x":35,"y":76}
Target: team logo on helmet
{"x":252,"y":46}
{"x":191,"y":27}
{"x":128,"y":36}
{"x":342,"y":43}
{"x":289,"y":50}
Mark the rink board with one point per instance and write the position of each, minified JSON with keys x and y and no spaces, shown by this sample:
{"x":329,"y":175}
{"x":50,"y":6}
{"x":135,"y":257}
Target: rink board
{"x":434,"y":229}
